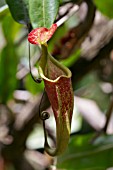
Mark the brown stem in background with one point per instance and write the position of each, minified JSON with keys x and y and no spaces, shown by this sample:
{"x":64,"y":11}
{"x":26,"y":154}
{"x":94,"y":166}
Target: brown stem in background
{"x":83,"y":66}
{"x":21,"y":131}
{"x":76,"y":35}
{"x":67,"y":11}
{"x":104,"y":129}
{"x":108,"y":115}
{"x":72,"y":1}
{"x":72,"y":4}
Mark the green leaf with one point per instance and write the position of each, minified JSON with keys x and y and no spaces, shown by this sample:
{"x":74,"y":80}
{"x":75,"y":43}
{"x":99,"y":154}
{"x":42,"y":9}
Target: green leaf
{"x":19,"y":10}
{"x":43,"y":12}
{"x":13,"y":28}
{"x":72,"y":59}
{"x":106,"y":7}
{"x":3,"y":11}
{"x":8,"y":68}
{"x":82,"y":155}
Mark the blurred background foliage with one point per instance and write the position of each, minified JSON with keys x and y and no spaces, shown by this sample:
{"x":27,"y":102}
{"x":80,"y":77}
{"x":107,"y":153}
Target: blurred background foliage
{"x":82,"y":42}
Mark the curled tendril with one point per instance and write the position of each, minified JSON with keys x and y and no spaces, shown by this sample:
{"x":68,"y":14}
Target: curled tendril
{"x":44,"y":115}
{"x":37,"y":80}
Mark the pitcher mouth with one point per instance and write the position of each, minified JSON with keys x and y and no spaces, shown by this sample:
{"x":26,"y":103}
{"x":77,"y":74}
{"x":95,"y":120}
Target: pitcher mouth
{"x":63,"y":72}
{"x":57,"y":79}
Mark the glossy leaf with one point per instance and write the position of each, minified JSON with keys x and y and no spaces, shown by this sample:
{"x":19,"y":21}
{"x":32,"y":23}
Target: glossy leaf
{"x":57,"y":80}
{"x":43,"y":12}
{"x":19,"y":10}
{"x":8,"y":59}
{"x":83,"y":155}
{"x":13,"y":28}
{"x":106,"y":7}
